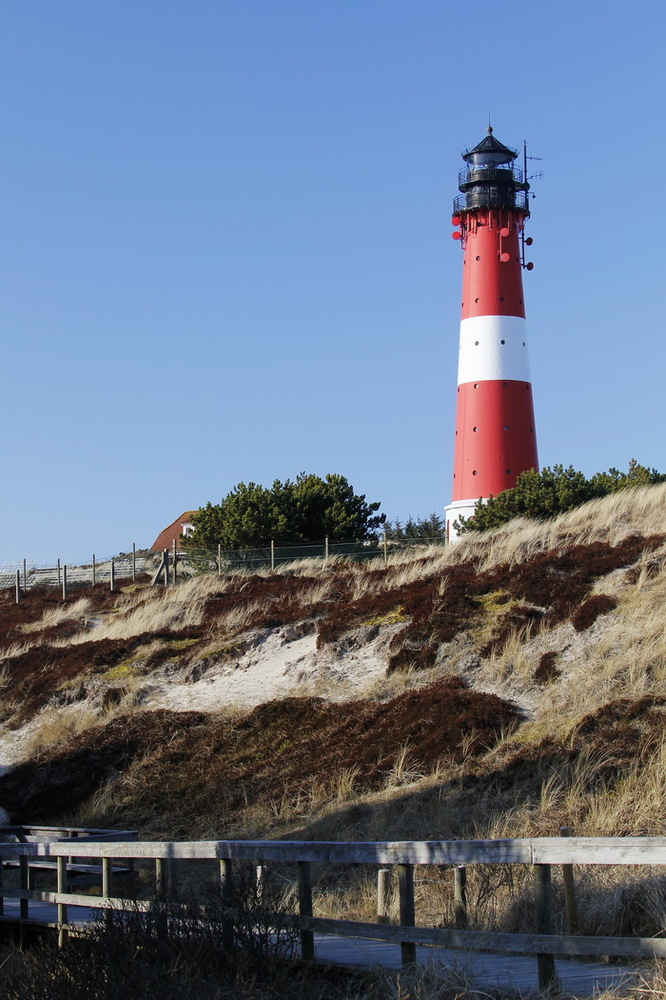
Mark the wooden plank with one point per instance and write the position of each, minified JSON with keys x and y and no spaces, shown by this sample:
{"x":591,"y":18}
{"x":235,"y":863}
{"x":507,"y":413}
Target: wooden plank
{"x":407,"y":912}
{"x":24,"y":882}
{"x":227,"y":884}
{"x":383,"y":895}
{"x":545,"y":850}
{"x":493,"y":941}
{"x":569,"y":885}
{"x":544,"y":923}
{"x":305,"y":908}
{"x":460,"y":896}
{"x":335,"y":852}
{"x":599,"y":850}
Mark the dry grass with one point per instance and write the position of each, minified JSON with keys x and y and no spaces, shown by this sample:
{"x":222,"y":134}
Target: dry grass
{"x":54,"y":727}
{"x":76,"y":611}
{"x":597,"y":789}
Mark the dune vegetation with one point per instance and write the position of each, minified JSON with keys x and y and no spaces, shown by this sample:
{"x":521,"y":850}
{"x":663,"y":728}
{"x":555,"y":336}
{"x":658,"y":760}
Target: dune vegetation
{"x":518,"y":685}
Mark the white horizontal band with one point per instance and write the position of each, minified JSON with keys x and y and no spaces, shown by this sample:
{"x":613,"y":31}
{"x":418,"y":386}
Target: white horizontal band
{"x":493,"y":348}
{"x":456,"y":510}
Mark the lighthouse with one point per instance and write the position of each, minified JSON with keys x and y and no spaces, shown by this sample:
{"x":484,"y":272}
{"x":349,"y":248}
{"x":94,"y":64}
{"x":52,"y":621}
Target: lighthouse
{"x":495,"y":438}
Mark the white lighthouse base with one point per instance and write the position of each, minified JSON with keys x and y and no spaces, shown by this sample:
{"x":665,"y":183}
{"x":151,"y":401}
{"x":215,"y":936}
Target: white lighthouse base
{"x":454,"y":511}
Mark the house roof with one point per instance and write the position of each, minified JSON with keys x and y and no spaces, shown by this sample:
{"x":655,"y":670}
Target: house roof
{"x":166,"y":538}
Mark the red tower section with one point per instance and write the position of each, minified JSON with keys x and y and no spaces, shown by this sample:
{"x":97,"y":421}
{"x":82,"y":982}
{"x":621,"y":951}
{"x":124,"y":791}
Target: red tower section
{"x":495,"y":438}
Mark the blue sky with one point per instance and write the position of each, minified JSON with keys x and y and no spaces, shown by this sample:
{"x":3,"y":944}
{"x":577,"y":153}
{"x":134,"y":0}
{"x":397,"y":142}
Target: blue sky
{"x":225,"y":250}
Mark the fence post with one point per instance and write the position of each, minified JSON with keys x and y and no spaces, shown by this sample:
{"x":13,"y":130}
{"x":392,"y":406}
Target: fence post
{"x":226,"y":880}
{"x":219,"y":559}
{"x":24,"y":880}
{"x":407,"y":913}
{"x":544,"y":923}
{"x":260,"y":883}
{"x":133,"y":561}
{"x":305,"y":908}
{"x":385,"y":548}
{"x":326,"y":548}
{"x":25,"y":575}
{"x":460,"y":895}
{"x":163,"y":877}
{"x":383,"y":895}
{"x":166,"y":567}
{"x":107,"y":877}
{"x":64,"y":582}
{"x":18,"y":585}
{"x":272,"y":554}
{"x":175,"y":560}
{"x":59,"y":573}
{"x":61,"y":887}
{"x":569,"y":890}
{"x":94,"y":568}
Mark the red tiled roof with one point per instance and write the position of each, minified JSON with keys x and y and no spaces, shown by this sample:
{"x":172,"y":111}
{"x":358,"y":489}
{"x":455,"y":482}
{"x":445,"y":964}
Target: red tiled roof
{"x":166,"y":538}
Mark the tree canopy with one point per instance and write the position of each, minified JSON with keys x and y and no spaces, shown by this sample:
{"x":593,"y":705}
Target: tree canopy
{"x":289,"y":513}
{"x":543,"y":494}
{"x":433,"y":526}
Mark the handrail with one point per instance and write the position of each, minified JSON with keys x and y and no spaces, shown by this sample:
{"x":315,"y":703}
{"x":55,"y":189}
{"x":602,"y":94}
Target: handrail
{"x":539,"y":852}
{"x":529,"y":851}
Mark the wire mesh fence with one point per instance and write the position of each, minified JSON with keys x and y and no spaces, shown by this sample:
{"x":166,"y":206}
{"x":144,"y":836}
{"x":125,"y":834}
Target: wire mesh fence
{"x":219,"y":560}
{"x":27,"y":574}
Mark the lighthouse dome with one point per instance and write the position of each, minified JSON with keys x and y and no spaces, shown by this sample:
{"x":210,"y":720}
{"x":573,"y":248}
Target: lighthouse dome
{"x":490,"y":152}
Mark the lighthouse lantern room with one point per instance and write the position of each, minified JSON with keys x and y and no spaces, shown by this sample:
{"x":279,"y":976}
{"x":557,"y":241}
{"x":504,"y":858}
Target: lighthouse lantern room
{"x":495,"y":437}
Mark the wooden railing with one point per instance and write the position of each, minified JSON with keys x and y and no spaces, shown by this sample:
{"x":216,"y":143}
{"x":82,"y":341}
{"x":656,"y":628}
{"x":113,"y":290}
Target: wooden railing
{"x":540,"y":853}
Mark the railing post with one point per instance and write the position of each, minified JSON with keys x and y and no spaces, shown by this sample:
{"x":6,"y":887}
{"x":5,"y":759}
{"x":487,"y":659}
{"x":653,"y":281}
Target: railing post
{"x":305,"y":908}
{"x":107,"y":878}
{"x":163,"y":877}
{"x":226,"y":880}
{"x":24,"y":880}
{"x":407,"y":912}
{"x":383,"y":895}
{"x":94,"y":568}
{"x":460,"y":896}
{"x":18,"y":586}
{"x":112,"y":576}
{"x":61,"y":887}
{"x":64,"y":582}
{"x":59,"y":573}
{"x":174,"y":554}
{"x":544,"y":923}
{"x":25,"y":575}
{"x":166,"y":567}
{"x":569,"y":890}
{"x":326,"y":549}
{"x":260,"y":883}
{"x":133,"y":561}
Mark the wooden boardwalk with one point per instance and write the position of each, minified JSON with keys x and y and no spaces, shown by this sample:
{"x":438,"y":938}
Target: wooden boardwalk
{"x":483,"y":970}
{"x":521,"y":962}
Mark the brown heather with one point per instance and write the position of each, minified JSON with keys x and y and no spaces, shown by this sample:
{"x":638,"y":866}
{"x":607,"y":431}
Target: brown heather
{"x":524,"y":690}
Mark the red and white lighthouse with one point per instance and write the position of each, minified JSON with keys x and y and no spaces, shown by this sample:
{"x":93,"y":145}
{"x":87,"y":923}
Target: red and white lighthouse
{"x":495,"y":435}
